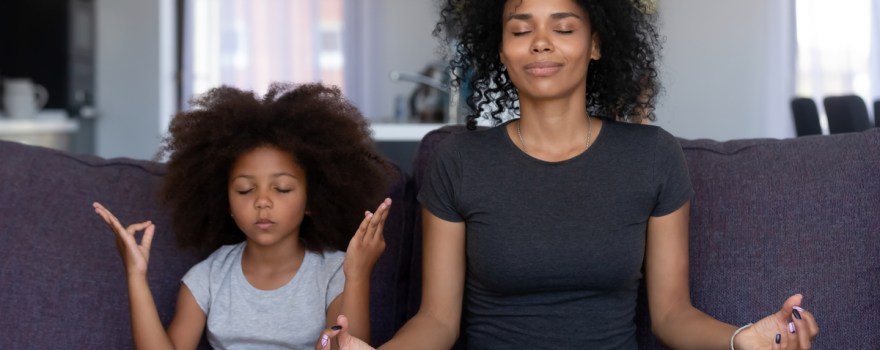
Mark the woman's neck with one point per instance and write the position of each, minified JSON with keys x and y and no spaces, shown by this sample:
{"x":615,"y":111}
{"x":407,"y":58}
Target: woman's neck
{"x":553,"y":130}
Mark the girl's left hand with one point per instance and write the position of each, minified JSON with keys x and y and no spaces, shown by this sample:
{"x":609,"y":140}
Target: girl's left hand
{"x":367,"y":244}
{"x":789,"y":328}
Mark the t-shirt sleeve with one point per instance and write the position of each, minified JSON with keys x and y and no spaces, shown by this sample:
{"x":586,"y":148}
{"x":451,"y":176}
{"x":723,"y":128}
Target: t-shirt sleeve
{"x":441,"y":182}
{"x":673,"y":181}
{"x":197,"y":280}
{"x":336,"y":282}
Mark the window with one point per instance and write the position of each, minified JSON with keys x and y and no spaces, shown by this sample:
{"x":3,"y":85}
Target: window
{"x":250,"y":44}
{"x":837,"y":50}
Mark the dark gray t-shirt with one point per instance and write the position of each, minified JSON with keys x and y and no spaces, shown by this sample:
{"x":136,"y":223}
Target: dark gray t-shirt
{"x":555,"y":249}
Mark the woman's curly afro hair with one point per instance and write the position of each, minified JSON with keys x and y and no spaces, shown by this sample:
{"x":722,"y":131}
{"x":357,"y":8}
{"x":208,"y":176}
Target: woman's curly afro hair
{"x":324,"y":134}
{"x":622,"y":85}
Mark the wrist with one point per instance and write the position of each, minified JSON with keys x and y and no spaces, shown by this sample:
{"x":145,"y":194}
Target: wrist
{"x":734,"y":342}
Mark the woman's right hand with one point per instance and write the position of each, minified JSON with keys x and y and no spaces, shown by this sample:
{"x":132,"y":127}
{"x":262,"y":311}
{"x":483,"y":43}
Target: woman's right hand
{"x":339,"y":333}
{"x":135,"y":256}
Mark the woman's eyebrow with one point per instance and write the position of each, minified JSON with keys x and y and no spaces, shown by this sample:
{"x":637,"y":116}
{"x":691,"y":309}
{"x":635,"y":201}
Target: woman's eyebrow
{"x":528,"y":16}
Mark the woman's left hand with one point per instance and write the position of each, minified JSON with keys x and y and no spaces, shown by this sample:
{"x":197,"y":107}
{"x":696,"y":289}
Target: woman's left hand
{"x":791,"y":327}
{"x":367,"y":244}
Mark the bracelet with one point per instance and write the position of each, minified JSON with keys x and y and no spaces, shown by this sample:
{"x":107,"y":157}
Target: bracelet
{"x":740,"y":329}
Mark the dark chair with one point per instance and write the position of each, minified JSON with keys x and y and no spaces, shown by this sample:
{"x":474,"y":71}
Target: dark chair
{"x":846,"y":114}
{"x":877,"y":113}
{"x":806,"y":116}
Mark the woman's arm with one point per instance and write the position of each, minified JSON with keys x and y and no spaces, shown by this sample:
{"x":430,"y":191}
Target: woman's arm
{"x":675,"y":321}
{"x":189,"y":320}
{"x":436,"y":325}
{"x":680,"y":325}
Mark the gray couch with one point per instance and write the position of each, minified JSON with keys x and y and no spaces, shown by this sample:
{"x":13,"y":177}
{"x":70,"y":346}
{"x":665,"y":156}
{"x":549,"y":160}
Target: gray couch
{"x":770,"y":218}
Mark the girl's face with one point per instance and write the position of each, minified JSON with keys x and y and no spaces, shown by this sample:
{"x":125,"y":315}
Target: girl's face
{"x":267,"y":195}
{"x":546,"y":46}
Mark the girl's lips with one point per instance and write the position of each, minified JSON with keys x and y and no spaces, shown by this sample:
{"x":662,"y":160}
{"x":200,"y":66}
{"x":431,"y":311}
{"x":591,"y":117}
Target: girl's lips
{"x":543,"y":69}
{"x":264,"y":224}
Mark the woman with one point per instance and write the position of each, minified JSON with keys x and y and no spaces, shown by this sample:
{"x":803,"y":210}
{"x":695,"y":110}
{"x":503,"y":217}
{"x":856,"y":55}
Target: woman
{"x":536,"y":230}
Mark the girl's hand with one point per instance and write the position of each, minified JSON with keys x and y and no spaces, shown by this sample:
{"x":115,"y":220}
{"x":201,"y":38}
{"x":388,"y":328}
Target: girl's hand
{"x":367,"y":245}
{"x":789,"y":328}
{"x":135,"y":256}
{"x":339,"y":335}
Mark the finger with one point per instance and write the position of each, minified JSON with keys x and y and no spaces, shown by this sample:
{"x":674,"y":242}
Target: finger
{"x":323,"y":342}
{"x":147,"y":241}
{"x":362,"y":229}
{"x":784,"y":314}
{"x":805,"y":325}
{"x":374,"y":221}
{"x":133,"y":228}
{"x":378,"y":221}
{"x":343,"y":337}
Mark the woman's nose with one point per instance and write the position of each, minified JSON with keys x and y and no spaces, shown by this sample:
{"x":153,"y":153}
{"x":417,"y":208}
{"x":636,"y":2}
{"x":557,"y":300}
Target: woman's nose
{"x":541,"y":44}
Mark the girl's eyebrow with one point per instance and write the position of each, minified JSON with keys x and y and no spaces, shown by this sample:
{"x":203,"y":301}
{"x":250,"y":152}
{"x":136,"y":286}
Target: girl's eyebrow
{"x":528,"y":16}
{"x":275,"y":175}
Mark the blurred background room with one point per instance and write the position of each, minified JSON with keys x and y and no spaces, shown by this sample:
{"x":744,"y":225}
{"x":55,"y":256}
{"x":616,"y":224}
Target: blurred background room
{"x":104,"y":77}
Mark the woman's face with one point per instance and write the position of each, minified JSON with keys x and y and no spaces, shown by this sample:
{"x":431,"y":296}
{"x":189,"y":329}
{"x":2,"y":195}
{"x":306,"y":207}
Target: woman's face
{"x":267,"y":195}
{"x":546,"y":47}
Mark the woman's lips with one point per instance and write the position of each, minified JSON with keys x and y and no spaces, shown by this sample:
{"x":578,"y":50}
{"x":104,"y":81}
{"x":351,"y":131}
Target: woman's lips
{"x":543,"y":68}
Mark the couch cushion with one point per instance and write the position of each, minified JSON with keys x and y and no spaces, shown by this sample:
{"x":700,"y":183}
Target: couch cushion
{"x":62,"y":283}
{"x":62,"y":278}
{"x":773,"y":218}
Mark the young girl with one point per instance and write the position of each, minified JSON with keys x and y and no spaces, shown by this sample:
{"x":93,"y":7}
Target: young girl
{"x":539,"y":231}
{"x":274,"y":188}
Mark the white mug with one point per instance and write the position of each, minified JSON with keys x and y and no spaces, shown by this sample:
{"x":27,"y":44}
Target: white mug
{"x":22,"y":98}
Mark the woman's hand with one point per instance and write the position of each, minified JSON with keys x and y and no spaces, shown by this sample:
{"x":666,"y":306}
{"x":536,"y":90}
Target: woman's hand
{"x":135,"y":256}
{"x":367,"y":245}
{"x":789,"y":328}
{"x":338,"y":335}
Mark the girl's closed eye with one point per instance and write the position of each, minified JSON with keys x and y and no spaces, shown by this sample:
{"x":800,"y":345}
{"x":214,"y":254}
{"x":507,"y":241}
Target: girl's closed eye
{"x":283,"y":190}
{"x":521,"y":33}
{"x":244,"y":191}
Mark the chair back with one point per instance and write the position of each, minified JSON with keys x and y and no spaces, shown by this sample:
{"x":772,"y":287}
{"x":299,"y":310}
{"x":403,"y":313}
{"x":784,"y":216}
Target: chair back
{"x":806,"y":116}
{"x":877,"y":113}
{"x":846,"y":114}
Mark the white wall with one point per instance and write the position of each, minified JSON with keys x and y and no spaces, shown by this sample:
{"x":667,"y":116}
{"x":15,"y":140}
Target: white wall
{"x":133,"y":83}
{"x":397,"y":36}
{"x":716,"y":62}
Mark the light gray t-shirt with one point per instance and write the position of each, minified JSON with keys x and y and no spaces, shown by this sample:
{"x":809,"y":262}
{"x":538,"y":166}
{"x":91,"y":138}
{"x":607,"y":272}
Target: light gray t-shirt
{"x":555,"y":249}
{"x":243,"y":317}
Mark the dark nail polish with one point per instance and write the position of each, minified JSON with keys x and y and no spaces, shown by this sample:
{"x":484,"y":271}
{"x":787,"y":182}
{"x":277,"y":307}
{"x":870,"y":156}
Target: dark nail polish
{"x":778,"y":338}
{"x":797,"y":314}
{"x":336,"y":327}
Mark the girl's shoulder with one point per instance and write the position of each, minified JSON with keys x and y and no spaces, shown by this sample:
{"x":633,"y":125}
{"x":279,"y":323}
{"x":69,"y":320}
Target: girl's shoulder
{"x":328,"y":261}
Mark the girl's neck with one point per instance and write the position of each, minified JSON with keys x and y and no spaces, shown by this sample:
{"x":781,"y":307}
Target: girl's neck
{"x":281,"y":256}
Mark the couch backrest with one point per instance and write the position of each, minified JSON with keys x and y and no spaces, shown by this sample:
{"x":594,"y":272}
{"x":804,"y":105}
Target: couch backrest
{"x":771,"y":218}
{"x":62,"y":283}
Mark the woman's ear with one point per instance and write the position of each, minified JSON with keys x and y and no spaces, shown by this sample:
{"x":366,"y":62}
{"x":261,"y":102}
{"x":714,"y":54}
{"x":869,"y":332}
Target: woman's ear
{"x":595,"y":47}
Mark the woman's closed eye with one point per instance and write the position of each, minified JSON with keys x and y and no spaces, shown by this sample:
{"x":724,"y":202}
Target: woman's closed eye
{"x":521,"y":33}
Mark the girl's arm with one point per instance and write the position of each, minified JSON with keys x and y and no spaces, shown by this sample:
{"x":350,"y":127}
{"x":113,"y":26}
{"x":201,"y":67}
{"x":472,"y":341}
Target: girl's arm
{"x":679,"y":324}
{"x":363,"y":251}
{"x":436,"y":325}
{"x":186,"y":329}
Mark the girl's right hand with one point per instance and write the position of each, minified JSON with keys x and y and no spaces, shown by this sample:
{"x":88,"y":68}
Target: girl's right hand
{"x":339,"y":333}
{"x":135,"y":256}
{"x":366,"y":245}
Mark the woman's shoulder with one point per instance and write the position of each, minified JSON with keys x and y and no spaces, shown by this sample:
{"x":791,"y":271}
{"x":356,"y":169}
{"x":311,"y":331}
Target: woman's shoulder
{"x":645,"y":135}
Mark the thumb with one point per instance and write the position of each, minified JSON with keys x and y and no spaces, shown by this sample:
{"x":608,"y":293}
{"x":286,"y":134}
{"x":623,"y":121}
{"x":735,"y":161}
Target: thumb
{"x":343,"y":336}
{"x":784,"y":314}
